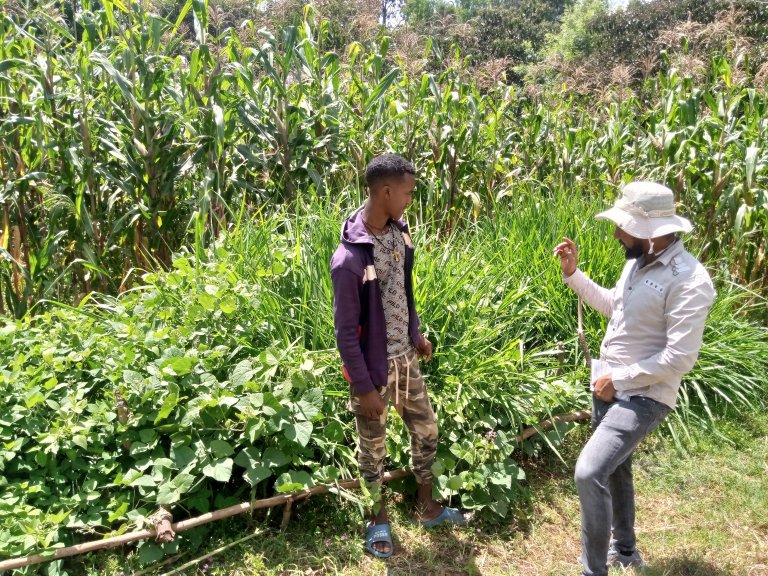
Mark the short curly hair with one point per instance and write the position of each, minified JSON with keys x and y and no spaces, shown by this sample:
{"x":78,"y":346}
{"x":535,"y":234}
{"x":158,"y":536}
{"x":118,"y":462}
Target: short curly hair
{"x":387,"y":166}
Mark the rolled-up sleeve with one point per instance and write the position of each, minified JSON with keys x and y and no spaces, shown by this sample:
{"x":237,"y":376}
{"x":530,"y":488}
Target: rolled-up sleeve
{"x":687,"y":308}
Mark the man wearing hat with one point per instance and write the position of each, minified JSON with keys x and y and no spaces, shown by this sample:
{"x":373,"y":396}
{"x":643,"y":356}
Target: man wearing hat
{"x":657,"y":312}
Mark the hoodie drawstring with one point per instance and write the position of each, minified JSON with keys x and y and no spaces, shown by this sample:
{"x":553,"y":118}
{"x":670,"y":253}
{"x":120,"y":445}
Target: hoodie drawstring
{"x":396,"y":359}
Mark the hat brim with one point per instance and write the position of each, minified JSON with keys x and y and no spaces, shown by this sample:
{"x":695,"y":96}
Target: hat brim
{"x":641,"y":227}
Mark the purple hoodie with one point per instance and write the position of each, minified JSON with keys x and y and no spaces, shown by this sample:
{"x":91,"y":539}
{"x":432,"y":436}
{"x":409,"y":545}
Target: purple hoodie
{"x":358,"y":314}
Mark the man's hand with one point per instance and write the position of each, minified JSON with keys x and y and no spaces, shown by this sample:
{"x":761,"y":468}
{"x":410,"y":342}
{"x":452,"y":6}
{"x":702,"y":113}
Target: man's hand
{"x":371,"y":404}
{"x":424,"y":348}
{"x":569,"y":256}
{"x":604,"y":389}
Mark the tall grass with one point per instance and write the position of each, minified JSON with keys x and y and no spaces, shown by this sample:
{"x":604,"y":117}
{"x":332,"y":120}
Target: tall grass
{"x":232,"y":388}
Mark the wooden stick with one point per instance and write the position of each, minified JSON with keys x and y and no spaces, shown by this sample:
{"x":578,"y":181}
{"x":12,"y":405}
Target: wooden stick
{"x":116,"y":541}
{"x":286,"y":516}
{"x":552,"y":422}
{"x":284,"y":499}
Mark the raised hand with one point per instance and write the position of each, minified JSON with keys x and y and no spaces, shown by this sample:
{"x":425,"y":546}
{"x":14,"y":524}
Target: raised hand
{"x":568,"y":253}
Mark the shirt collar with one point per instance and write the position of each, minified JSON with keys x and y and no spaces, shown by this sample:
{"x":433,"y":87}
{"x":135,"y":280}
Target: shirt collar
{"x":674,"y":249}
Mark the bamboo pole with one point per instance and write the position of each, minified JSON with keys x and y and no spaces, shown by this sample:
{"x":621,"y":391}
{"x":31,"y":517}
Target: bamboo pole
{"x":283,"y":499}
{"x":116,"y":541}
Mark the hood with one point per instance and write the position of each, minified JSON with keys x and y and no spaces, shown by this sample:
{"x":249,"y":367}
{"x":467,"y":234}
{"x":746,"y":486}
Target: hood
{"x":354,"y":232}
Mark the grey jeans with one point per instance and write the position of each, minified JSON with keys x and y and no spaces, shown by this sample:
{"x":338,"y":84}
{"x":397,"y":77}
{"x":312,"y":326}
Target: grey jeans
{"x":604,"y":476}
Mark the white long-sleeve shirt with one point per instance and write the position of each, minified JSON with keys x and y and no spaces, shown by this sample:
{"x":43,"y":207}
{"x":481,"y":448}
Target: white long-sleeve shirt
{"x":657,"y":316}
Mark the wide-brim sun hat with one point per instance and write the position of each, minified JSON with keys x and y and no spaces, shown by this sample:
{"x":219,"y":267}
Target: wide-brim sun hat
{"x":646,"y":210}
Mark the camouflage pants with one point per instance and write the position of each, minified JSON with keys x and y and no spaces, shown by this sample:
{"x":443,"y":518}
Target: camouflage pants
{"x":405,"y":389}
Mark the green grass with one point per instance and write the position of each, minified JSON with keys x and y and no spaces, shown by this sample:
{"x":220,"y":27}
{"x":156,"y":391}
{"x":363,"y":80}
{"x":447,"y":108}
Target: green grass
{"x":701,"y":512}
{"x":228,"y":367}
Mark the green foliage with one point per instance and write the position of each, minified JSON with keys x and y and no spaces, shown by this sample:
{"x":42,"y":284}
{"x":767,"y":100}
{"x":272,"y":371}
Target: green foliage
{"x":577,"y":36}
{"x":123,"y":147}
{"x":515,"y":30}
{"x":214,"y":378}
{"x":218,"y":381}
{"x":493,"y":29}
{"x":216,"y":403}
{"x":630,"y":34}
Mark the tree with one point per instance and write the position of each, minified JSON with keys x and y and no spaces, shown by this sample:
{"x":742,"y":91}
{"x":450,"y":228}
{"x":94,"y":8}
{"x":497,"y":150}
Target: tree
{"x":498,"y":29}
{"x":629,"y":35}
{"x":576,"y":37}
{"x":515,"y":29}
{"x":391,"y":12}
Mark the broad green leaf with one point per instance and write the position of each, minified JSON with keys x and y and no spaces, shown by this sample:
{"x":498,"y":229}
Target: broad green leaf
{"x":81,"y":441}
{"x":182,"y":455}
{"x":274,"y":457}
{"x":228,"y":401}
{"x":130,"y":377}
{"x":293,"y":481}
{"x":242,"y":373}
{"x":328,"y":474}
{"x":248,"y":457}
{"x":199,"y":502}
{"x":169,"y":403}
{"x":500,"y":479}
{"x":311,"y":403}
{"x":334,"y":432}
{"x":34,"y":398}
{"x":183,"y":482}
{"x":228,"y":304}
{"x":119,"y":513}
{"x":145,"y":481}
{"x":220,"y":470}
{"x":149,"y":553}
{"x":299,"y":432}
{"x":168,"y":494}
{"x":147,"y":435}
{"x":455,"y":482}
{"x":206,"y":300}
{"x":221,"y":448}
{"x":178,"y":365}
{"x":256,"y":474}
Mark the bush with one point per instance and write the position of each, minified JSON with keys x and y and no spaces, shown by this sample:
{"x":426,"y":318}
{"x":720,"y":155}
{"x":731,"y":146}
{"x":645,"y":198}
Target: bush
{"x":218,"y":381}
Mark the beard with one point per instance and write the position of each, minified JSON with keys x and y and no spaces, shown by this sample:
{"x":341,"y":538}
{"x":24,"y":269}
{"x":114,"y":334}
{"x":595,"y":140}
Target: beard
{"x":632,"y":252}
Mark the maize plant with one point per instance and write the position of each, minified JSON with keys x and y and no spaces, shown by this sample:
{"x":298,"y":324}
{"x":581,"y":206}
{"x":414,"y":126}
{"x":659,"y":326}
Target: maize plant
{"x":126,"y":137}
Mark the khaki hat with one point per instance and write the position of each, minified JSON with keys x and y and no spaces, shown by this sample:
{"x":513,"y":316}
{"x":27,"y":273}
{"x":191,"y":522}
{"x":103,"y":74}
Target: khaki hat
{"x":646,"y":210}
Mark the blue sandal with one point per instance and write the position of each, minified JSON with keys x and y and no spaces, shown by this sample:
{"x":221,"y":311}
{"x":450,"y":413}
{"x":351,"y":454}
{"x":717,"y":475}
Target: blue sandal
{"x":375,"y":533}
{"x":447,"y":516}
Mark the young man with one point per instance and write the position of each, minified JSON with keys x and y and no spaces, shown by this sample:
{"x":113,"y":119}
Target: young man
{"x":657,"y":312}
{"x":377,"y":333}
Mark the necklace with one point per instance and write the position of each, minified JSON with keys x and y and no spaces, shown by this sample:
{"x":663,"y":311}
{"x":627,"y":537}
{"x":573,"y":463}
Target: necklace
{"x":391,"y":249}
